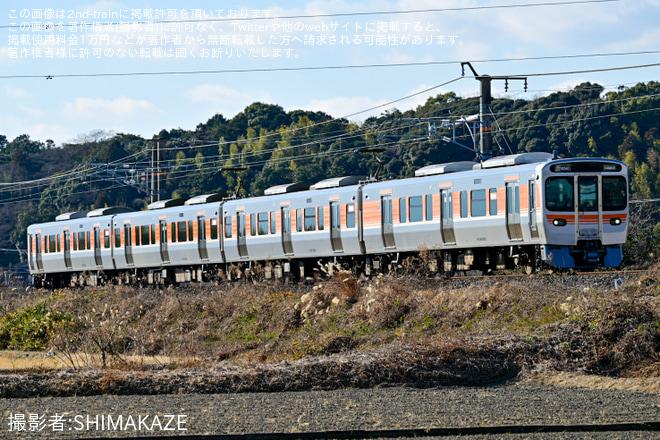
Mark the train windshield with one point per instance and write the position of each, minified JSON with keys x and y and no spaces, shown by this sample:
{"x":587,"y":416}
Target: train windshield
{"x":559,"y":193}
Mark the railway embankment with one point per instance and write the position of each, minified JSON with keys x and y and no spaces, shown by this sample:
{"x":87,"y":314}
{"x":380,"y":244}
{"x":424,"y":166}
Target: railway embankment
{"x":343,"y":333}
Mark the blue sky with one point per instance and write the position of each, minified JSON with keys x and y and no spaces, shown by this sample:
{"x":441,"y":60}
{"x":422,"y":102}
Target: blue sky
{"x":67,"y":37}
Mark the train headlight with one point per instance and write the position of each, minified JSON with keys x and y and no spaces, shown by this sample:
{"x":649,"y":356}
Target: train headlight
{"x":559,"y":222}
{"x":615,"y":221}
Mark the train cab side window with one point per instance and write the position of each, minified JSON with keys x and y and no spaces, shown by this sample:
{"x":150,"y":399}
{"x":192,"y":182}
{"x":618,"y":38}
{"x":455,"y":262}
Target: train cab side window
{"x":350,"y":215}
{"x":228,"y":226}
{"x":478,"y":202}
{"x":464,"y":204}
{"x":615,"y":194}
{"x":416,"y":209}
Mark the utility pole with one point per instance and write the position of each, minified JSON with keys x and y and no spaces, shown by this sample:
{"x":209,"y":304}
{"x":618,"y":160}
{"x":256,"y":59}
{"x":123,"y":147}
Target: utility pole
{"x":485,"y":111}
{"x":155,"y":171}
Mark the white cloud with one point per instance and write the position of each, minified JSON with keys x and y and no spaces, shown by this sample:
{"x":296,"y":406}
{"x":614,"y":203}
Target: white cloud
{"x":225,"y":100}
{"x":32,"y":112}
{"x":5,"y":57}
{"x":121,"y":109}
{"x":18,"y":93}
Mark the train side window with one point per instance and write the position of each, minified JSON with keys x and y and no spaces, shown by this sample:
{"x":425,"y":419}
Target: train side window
{"x":253,"y":225}
{"x":299,"y":220}
{"x":310,"y":219}
{"x":106,"y":239}
{"x":173,"y":228}
{"x":478,"y":202}
{"x":190,"y":230}
{"x":228,"y":226}
{"x":350,"y":215}
{"x":89,"y":241}
{"x":402,"y":210}
{"x":181,"y":232}
{"x":117,"y":239}
{"x":429,"y":207}
{"x":214,"y":229}
{"x":464,"y":204}
{"x":138,"y":236}
{"x":416,"y":209}
{"x":263,"y":223}
{"x":273,"y":222}
{"x":57,"y":241}
{"x":152,"y":229}
{"x":51,"y":244}
{"x":321,"y":212}
{"x":493,"y":201}
{"x":144,"y":232}
{"x":181,"y":229}
{"x":81,"y":240}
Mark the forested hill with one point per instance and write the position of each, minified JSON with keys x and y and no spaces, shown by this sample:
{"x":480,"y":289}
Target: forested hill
{"x":278,"y":147}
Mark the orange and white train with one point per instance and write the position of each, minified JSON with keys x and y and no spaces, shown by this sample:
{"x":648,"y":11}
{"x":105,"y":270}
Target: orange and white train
{"x":528,"y":210}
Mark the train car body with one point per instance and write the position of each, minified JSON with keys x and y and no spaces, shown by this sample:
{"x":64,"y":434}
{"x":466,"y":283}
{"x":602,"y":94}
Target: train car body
{"x":525,"y":210}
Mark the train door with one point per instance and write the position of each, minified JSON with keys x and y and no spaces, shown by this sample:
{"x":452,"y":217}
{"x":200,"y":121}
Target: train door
{"x":201,"y":238}
{"x":335,"y":226}
{"x":67,"y":250}
{"x":513,"y":228}
{"x":128,"y":244}
{"x":447,"y":216}
{"x":164,"y":253}
{"x":287,"y":245}
{"x":533,"y":226}
{"x":386,"y":214}
{"x":37,"y":253}
{"x":588,"y":207}
{"x":97,"y":247}
{"x":242,"y":239}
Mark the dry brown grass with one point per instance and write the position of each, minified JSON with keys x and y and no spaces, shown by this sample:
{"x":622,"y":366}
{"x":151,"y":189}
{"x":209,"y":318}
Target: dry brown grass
{"x":493,"y":327}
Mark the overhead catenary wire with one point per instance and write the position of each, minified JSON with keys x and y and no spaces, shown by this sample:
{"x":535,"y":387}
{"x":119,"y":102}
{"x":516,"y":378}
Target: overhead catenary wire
{"x":83,"y":171}
{"x":219,"y":159}
{"x":347,"y":66}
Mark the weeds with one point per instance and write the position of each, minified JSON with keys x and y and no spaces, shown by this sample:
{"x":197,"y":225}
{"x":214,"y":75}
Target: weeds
{"x":553,"y":321}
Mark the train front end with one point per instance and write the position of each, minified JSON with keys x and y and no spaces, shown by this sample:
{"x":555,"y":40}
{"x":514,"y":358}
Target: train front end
{"x":585,"y":212}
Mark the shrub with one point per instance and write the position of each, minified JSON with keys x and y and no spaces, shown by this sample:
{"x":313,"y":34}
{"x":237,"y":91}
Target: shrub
{"x":30,"y":328}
